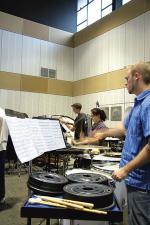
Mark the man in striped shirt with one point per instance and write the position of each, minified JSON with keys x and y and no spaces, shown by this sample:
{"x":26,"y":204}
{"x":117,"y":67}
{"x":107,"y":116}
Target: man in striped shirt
{"x":135,"y":160}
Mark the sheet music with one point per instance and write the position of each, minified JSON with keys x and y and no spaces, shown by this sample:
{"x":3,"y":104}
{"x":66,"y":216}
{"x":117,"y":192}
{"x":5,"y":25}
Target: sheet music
{"x":33,"y":137}
{"x":51,"y":131}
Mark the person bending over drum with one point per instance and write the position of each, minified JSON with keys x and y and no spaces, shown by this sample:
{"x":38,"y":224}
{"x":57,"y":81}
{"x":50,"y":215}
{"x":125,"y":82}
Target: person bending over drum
{"x":98,"y":117}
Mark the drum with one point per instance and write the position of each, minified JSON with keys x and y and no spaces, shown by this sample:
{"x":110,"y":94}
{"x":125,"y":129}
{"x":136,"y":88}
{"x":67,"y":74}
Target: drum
{"x":44,"y":183}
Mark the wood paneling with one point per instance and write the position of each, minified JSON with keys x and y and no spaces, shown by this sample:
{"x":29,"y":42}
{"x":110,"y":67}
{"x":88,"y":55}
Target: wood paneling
{"x":27,"y":83}
{"x":35,"y":30}
{"x":61,"y":37}
{"x":10,"y":81}
{"x":105,"y":82}
{"x":60,"y":87}
{"x":34,"y":84}
{"x":11,"y":23}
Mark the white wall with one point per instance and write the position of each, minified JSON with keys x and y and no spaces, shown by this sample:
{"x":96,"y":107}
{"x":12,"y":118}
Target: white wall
{"x":26,"y":55}
{"x":119,"y":97}
{"x":35,"y":104}
{"x":121,"y":46}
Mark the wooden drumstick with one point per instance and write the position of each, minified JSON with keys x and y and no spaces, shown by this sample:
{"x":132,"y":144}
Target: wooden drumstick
{"x":94,"y":211}
{"x":60,"y":201}
{"x":84,"y":204}
{"x":39,"y":201}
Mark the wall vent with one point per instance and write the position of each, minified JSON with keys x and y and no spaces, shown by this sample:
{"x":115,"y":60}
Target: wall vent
{"x":49,"y":73}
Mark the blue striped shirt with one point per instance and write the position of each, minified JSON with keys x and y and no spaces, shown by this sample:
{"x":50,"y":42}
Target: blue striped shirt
{"x":137,"y":125}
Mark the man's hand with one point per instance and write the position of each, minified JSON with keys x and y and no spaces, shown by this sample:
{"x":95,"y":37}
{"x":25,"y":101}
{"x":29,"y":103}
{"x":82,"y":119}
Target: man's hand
{"x":119,"y":174}
{"x":73,"y":142}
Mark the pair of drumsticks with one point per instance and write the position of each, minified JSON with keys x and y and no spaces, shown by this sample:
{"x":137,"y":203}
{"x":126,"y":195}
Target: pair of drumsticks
{"x":65,"y":203}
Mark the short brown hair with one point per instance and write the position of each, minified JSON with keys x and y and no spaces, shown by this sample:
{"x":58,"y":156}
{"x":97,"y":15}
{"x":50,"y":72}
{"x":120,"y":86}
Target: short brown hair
{"x":77,"y":106}
{"x":143,"y":69}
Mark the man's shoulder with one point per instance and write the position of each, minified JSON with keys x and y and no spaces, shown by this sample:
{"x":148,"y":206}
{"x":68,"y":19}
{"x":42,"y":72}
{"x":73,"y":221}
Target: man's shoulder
{"x":146,"y":101}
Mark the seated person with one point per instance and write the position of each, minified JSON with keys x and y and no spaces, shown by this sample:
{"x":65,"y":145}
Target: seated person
{"x":98,"y":117}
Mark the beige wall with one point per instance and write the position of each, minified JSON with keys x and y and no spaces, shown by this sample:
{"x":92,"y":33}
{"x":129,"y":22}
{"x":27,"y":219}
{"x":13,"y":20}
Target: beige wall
{"x":93,"y":70}
{"x":29,"y":28}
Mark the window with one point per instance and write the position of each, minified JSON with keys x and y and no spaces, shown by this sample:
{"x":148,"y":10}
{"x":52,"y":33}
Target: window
{"x":81,"y":4}
{"x":82,"y":15}
{"x":125,"y":1}
{"x":82,"y":26}
{"x":106,"y":7}
{"x":89,"y":11}
{"x":107,"y":11}
{"x":94,"y":11}
{"x":106,"y":3}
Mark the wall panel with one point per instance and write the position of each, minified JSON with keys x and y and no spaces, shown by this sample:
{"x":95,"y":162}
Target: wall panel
{"x":117,"y":48}
{"x":29,"y":103}
{"x":147,"y":36}
{"x":11,"y":52}
{"x":134,"y":43}
{"x":0,"y":47}
{"x":10,"y":99}
{"x":31,"y":56}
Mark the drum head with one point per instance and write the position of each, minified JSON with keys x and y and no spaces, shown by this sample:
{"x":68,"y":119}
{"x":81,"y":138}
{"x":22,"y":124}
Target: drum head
{"x":100,"y":195}
{"x":87,"y":177}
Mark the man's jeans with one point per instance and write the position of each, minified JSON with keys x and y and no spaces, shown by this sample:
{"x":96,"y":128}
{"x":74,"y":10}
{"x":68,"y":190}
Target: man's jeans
{"x":138,"y":206}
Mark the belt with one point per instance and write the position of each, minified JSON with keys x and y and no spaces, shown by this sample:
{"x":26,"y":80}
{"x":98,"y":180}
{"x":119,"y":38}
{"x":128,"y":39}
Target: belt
{"x":138,"y":189}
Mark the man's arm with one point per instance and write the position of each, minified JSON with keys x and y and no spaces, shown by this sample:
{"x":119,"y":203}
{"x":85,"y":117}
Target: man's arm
{"x":114,"y":132}
{"x":85,"y":141}
{"x":140,"y":160}
{"x":99,"y":136}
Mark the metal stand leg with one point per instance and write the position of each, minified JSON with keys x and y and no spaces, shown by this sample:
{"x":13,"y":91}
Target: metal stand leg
{"x":71,"y":222}
{"x":29,"y":172}
{"x":48,"y":221}
{"x":28,"y":221}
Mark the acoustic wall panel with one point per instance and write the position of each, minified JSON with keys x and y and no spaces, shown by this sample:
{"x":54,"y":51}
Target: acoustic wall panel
{"x":31,"y":56}
{"x":117,"y":48}
{"x":29,"y":103}
{"x":134,"y":43}
{"x":0,"y":47}
{"x":11,"y":51}
{"x":147,"y":37}
{"x":10,"y":99}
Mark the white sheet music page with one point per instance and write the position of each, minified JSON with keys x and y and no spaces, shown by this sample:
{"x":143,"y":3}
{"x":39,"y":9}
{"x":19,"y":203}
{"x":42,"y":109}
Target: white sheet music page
{"x":52,"y":134}
{"x":33,"y":137}
{"x":37,"y":136}
{"x":21,"y":138}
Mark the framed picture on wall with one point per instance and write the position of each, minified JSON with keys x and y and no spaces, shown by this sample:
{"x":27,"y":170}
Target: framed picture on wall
{"x":116,"y":113}
{"x":106,"y":110}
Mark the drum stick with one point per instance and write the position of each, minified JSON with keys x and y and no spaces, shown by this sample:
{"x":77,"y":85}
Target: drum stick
{"x":39,"y":201}
{"x":94,"y":211}
{"x":60,"y":201}
{"x":84,"y":204}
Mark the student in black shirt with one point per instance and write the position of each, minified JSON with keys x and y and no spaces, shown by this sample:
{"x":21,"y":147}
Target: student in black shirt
{"x":80,"y":126}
